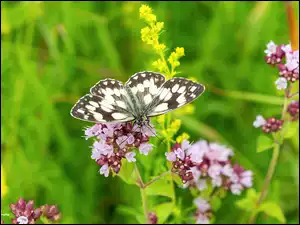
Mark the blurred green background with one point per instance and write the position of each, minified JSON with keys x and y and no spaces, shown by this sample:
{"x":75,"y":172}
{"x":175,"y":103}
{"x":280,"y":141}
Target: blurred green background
{"x":53,"y":52}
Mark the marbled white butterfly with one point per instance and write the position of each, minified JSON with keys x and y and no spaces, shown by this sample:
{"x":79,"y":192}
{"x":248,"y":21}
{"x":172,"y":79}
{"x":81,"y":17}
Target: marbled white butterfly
{"x":144,"y":95}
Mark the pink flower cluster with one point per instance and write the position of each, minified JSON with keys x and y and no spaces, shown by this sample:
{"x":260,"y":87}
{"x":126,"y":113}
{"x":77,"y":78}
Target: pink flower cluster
{"x":203,"y":163}
{"x":203,"y":212}
{"x":25,"y":213}
{"x":183,"y":160}
{"x":270,"y":125}
{"x":113,"y":142}
{"x":288,"y":70}
{"x":293,"y":110}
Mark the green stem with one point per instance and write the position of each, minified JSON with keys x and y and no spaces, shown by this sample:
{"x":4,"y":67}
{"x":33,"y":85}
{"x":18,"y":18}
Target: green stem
{"x":267,"y":180}
{"x":274,"y":159}
{"x":141,"y":185}
{"x":156,"y":178}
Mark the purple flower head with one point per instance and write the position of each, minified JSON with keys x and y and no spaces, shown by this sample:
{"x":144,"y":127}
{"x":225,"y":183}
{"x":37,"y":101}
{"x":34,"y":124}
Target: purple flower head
{"x":293,"y":110}
{"x":274,"y":53}
{"x":272,"y":125}
{"x":239,"y":179}
{"x":259,"y":121}
{"x":25,"y":212}
{"x":115,"y":142}
{"x":171,"y":156}
{"x":51,"y":212}
{"x":203,"y":211}
{"x":152,"y":218}
{"x":202,"y":204}
{"x":130,"y":156}
{"x":93,"y":131}
{"x":215,"y":167}
{"x":218,"y":153}
{"x":183,"y":160}
{"x":145,"y":148}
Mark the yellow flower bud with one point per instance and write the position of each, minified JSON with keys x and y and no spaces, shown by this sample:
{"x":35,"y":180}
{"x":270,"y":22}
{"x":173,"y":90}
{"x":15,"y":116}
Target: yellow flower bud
{"x":4,"y":188}
{"x":183,"y":136}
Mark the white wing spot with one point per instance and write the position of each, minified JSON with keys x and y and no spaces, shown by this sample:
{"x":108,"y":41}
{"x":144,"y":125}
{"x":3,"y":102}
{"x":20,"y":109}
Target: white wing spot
{"x":105,"y":82}
{"x":109,"y":99}
{"x":89,"y":107}
{"x":134,"y":90}
{"x":161,"y":107}
{"x":85,"y":117}
{"x":147,"y":99}
{"x":193,"y":88}
{"x":168,"y":97}
{"x":164,"y":93}
{"x":143,"y":75}
{"x":146,"y":83}
{"x":121,"y":104}
{"x":117,"y":92}
{"x":129,"y":82}
{"x":106,"y":109}
{"x":109,"y":91}
{"x":118,"y":116}
{"x":98,"y":116}
{"x":140,"y":87}
{"x":153,"y":89}
{"x":80,"y":111}
{"x":94,"y":103}
{"x":112,"y":81}
{"x":175,"y":88}
{"x":122,"y":91}
{"x":181,"y":99}
{"x":181,"y":90}
{"x":136,"y":77}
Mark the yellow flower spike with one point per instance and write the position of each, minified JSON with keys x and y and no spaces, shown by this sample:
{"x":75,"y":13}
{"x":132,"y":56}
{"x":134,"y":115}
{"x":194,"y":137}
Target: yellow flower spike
{"x":179,"y":52}
{"x":159,"y":47}
{"x":175,"y":125}
{"x":183,"y":136}
{"x":4,"y":188}
{"x":145,"y":11}
{"x":161,"y":120}
{"x":186,"y":110}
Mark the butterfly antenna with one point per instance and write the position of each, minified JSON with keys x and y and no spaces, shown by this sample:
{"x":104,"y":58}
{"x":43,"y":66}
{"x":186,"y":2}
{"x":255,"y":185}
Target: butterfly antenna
{"x":160,"y":139}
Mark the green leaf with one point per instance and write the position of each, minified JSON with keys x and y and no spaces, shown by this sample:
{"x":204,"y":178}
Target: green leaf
{"x":291,"y":129}
{"x":163,"y":211}
{"x":263,"y":143}
{"x":163,"y":187}
{"x":272,"y":209}
{"x":177,"y":179}
{"x":215,"y":203}
{"x":127,"y":172}
{"x":248,"y":203}
{"x":127,"y":210}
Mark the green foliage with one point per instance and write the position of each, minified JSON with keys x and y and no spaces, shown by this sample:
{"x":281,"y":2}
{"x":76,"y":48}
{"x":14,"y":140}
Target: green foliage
{"x":53,"y":52}
{"x":264,"y":143}
{"x":272,"y":209}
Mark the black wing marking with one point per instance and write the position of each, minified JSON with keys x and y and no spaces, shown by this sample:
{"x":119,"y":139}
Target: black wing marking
{"x":94,"y":108}
{"x":174,"y":93}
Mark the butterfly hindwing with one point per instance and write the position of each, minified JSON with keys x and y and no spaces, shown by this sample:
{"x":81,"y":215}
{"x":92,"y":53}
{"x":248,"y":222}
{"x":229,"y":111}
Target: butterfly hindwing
{"x":94,"y":108}
{"x":174,"y":93}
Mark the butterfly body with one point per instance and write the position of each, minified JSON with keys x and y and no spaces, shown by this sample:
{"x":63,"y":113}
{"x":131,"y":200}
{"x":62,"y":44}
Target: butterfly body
{"x":144,"y":95}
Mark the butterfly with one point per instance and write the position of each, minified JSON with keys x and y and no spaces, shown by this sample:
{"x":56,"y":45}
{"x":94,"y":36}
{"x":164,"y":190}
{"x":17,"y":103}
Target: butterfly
{"x":144,"y":95}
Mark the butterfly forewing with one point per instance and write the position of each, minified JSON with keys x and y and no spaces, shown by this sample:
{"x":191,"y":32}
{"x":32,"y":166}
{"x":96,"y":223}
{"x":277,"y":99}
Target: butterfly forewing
{"x":106,"y":103}
{"x":174,"y":93}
